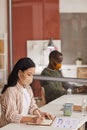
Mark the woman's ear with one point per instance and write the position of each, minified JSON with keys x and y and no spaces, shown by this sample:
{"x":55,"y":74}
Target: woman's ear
{"x":19,"y":74}
{"x":21,"y":77}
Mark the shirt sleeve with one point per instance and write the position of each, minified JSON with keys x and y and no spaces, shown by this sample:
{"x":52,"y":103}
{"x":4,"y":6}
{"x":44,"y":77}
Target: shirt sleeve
{"x":67,"y":85}
{"x":9,"y":107}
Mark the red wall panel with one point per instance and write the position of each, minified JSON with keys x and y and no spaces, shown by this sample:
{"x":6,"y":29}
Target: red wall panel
{"x":37,"y":19}
{"x":22,"y":30}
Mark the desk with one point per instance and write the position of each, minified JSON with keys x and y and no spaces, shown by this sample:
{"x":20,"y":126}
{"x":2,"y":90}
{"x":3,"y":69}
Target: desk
{"x":54,"y":107}
{"x":76,"y":99}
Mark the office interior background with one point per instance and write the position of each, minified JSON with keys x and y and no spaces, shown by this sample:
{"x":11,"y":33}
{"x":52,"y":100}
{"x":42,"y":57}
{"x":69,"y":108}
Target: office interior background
{"x":22,"y":21}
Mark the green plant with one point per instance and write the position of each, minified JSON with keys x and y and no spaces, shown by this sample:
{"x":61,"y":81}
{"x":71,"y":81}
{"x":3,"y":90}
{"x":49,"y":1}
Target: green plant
{"x":79,"y":58}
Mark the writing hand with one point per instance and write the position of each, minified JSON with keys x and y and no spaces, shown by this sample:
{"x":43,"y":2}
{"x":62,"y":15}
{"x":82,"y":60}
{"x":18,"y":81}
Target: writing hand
{"x":37,"y":120}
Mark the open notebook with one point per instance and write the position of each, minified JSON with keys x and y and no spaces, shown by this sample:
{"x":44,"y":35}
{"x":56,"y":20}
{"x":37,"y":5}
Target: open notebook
{"x":45,"y":122}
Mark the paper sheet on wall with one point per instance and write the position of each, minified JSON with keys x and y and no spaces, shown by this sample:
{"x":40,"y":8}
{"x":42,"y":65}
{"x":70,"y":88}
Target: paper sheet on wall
{"x":38,"y":50}
{"x":67,"y":122}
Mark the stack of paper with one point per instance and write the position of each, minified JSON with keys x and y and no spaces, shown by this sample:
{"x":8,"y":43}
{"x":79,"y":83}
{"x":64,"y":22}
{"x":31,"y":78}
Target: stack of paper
{"x":66,"y":122}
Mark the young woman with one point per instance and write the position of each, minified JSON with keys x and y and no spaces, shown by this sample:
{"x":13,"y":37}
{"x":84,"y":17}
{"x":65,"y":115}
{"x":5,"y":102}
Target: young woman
{"x":17,"y":100}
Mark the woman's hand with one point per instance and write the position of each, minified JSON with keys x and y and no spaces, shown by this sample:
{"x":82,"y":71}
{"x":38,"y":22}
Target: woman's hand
{"x":37,"y":120}
{"x":44,"y":114}
{"x":48,"y":115}
{"x":34,"y":119}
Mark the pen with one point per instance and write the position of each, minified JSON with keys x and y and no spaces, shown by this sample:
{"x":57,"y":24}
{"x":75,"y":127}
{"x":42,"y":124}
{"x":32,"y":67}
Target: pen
{"x":38,"y":113}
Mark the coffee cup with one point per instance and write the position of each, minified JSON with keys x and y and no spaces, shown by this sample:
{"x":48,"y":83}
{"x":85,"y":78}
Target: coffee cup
{"x":68,"y":109}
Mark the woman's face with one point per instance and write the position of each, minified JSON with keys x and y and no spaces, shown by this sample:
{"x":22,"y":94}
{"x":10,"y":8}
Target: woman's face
{"x":26,"y":77}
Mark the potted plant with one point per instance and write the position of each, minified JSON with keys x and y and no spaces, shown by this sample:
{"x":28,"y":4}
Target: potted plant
{"x":79,"y":61}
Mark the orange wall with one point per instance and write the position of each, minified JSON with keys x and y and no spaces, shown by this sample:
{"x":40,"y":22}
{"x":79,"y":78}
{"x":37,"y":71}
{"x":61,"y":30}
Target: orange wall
{"x":33,"y":19}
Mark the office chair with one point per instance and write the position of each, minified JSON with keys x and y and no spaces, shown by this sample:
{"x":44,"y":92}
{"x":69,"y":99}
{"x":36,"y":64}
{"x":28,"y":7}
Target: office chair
{"x":39,"y":93}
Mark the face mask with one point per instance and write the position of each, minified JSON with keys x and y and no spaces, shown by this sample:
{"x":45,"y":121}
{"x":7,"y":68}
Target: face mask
{"x":28,"y":80}
{"x":25,"y":79}
{"x":58,"y":66}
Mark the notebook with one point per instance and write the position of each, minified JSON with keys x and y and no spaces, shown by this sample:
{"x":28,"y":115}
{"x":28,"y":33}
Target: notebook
{"x":45,"y":122}
{"x":78,"y":108}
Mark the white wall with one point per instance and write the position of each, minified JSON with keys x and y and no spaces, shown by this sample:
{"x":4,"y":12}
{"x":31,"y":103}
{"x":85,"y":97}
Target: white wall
{"x":3,"y":16}
{"x":72,"y":6}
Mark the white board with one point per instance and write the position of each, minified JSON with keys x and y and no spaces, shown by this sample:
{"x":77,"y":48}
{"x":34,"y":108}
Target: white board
{"x":38,"y":51}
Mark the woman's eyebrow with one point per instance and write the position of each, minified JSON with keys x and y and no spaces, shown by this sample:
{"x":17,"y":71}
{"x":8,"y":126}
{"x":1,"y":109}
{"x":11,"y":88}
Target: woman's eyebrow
{"x":30,"y":73}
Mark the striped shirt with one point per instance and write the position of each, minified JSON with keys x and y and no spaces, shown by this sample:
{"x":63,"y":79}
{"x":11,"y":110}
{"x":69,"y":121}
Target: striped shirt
{"x":12,"y":104}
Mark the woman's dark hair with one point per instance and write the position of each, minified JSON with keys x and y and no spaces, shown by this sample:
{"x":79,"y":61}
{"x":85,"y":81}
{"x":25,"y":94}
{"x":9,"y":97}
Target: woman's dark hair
{"x":22,"y":64}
